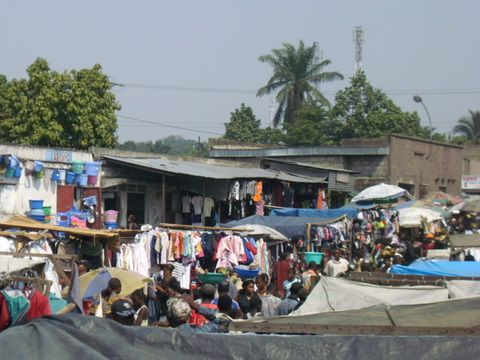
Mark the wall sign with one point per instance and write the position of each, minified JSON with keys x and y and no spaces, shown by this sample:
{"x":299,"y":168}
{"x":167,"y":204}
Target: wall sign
{"x":470,"y":182}
{"x":58,"y":156}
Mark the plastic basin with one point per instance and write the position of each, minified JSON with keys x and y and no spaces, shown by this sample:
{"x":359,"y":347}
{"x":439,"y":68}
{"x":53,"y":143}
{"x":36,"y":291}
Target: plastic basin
{"x":246,"y":273}
{"x":212,"y":278}
{"x":36,"y":204}
{"x":314,"y":256}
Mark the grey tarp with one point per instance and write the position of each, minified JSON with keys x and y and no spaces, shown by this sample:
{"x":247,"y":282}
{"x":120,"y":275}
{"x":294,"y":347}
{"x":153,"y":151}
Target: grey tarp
{"x":334,"y":294}
{"x":85,"y":337}
{"x":458,"y":313}
{"x":287,"y":225}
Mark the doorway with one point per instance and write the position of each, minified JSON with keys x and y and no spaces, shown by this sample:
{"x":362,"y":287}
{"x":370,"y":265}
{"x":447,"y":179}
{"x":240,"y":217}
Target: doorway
{"x":136,"y":206}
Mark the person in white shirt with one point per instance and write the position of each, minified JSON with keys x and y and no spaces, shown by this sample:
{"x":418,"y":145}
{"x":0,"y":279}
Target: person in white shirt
{"x":336,"y":266}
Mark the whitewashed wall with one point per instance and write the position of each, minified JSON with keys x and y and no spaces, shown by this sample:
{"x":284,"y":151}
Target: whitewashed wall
{"x":16,"y":193}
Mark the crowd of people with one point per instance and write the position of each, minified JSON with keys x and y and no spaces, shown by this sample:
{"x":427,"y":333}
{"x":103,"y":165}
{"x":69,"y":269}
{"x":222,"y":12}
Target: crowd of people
{"x":210,"y":308}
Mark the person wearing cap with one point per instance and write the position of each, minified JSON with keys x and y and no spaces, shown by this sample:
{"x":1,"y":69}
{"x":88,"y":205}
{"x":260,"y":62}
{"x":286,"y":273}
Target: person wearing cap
{"x":122,"y":312}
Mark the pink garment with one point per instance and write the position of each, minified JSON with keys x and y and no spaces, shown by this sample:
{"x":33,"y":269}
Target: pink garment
{"x":229,"y":250}
{"x":260,"y":207}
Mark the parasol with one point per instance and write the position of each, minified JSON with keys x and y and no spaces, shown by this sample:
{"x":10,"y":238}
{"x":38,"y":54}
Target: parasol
{"x":95,"y":281}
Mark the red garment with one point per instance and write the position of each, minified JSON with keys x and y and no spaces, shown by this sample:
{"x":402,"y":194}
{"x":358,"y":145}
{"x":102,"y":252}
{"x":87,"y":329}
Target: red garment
{"x":251,"y":247}
{"x":197,"y":319}
{"x":39,"y":306}
{"x":4,"y":313}
{"x":282,"y":274}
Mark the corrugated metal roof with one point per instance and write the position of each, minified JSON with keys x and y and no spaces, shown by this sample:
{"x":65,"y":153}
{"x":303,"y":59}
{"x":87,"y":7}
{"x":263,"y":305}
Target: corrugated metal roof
{"x":209,"y":171}
{"x":309,"y":165}
{"x":301,"y":151}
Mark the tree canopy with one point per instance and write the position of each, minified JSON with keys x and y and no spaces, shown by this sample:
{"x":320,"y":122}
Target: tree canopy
{"x":244,"y":126}
{"x":365,"y":111}
{"x":297,"y":73}
{"x":74,"y":109}
{"x":469,"y":127}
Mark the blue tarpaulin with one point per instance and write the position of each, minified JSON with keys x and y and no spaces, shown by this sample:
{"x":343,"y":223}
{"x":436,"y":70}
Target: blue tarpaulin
{"x":439,"y":268}
{"x":313,"y":213}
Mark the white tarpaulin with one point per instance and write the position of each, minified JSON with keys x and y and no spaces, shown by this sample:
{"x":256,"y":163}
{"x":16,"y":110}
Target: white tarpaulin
{"x":333,"y":294}
{"x":380,"y":191}
{"x":10,"y":264}
{"x":414,"y":217}
{"x":460,"y":289}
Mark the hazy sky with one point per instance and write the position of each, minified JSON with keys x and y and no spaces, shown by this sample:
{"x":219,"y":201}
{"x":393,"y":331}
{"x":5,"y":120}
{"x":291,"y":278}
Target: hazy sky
{"x":212,"y":47}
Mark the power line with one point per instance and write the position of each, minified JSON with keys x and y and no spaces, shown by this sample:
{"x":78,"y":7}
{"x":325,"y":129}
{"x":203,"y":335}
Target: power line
{"x":451,"y":91}
{"x":167,"y":125}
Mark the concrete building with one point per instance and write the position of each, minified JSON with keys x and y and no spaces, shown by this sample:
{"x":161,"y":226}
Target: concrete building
{"x":152,"y":186}
{"x":418,"y":165}
{"x":15,"y":193}
{"x":471,"y":169}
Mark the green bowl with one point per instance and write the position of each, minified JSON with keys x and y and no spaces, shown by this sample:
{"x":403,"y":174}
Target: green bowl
{"x":212,"y":278}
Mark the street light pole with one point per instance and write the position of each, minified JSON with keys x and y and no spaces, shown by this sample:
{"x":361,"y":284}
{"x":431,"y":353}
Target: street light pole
{"x":418,"y":99}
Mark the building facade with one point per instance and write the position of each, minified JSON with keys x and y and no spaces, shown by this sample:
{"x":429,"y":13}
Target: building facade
{"x":418,"y":165}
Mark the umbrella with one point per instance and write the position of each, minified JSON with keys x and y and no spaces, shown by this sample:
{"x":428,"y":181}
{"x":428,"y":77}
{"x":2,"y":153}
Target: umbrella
{"x":414,"y":217}
{"x":381,"y":192}
{"x":254,"y":229}
{"x":472,"y":206}
{"x":95,"y":281}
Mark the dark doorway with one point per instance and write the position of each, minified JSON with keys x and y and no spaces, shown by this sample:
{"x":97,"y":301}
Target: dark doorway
{"x":136,"y":206}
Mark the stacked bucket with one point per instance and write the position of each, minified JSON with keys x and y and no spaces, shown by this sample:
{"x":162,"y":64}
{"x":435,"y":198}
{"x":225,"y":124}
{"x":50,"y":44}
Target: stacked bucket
{"x":83,"y":174}
{"x":39,"y":212}
{"x":14,"y":170}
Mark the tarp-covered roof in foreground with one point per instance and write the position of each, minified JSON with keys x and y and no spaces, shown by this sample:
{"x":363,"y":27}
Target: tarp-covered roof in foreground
{"x":86,"y":337}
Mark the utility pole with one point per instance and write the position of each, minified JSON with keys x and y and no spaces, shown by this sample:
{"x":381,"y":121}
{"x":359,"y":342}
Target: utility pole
{"x":359,"y":39}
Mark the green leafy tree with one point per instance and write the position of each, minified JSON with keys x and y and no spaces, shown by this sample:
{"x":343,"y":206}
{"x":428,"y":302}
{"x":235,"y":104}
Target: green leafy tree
{"x":366,"y":111}
{"x":469,"y":127}
{"x":297,"y":73}
{"x":243,"y":125}
{"x":314,"y":127}
{"x":158,"y":147}
{"x":73,"y":109}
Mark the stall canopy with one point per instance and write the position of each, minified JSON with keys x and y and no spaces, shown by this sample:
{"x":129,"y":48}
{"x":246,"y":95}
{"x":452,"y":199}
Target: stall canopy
{"x":75,"y":336}
{"x":332,"y":294}
{"x":439,"y":268}
{"x":415,"y":217}
{"x":287,"y":225}
{"x":381,"y":192}
{"x":327,"y":213}
{"x":464,"y":241}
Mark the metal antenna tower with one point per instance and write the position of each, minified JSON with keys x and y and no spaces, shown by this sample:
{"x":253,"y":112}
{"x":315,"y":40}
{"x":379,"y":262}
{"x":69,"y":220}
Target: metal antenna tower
{"x":271,"y":109}
{"x":359,"y":39}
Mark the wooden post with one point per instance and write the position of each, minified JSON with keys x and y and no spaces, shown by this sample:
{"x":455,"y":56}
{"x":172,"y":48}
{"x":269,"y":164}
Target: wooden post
{"x":164,"y":197}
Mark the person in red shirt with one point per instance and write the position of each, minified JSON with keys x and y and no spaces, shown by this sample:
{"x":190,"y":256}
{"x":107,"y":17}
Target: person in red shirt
{"x":282,"y":269}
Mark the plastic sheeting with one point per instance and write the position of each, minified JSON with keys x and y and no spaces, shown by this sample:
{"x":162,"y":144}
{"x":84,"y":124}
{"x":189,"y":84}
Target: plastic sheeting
{"x":86,"y":337}
{"x":327,"y":213}
{"x":463,"y":313}
{"x":460,"y":289}
{"x":333,"y":294}
{"x":287,"y":225}
{"x":439,"y":268}
{"x":10,"y":264}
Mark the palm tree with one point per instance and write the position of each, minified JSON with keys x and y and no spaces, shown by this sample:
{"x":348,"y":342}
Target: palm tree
{"x":469,"y":127}
{"x":297,"y":72}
